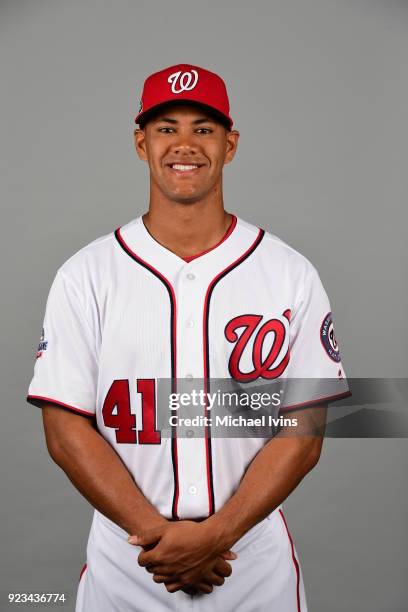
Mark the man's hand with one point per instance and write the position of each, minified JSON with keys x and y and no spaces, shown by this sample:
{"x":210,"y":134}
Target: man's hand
{"x":215,"y":576}
{"x":184,"y":554}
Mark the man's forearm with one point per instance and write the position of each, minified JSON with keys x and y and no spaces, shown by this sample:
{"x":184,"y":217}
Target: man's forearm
{"x":273,"y":474}
{"x":97,"y":471}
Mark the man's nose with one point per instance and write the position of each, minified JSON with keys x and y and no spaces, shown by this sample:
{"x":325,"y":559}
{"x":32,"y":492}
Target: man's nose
{"x":184,"y":144}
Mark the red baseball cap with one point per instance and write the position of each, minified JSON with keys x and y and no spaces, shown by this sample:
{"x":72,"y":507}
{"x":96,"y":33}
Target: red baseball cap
{"x":185,"y":82}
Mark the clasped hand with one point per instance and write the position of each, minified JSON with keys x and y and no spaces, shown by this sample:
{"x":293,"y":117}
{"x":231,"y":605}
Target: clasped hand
{"x":184,"y":555}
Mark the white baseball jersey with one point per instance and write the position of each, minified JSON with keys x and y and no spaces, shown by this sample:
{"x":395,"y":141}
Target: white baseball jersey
{"x":124,"y":312}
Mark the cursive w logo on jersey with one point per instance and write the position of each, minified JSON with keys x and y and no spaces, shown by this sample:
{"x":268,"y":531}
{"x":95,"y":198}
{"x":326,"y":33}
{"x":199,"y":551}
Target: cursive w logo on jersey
{"x":183,"y":81}
{"x":251,"y":345}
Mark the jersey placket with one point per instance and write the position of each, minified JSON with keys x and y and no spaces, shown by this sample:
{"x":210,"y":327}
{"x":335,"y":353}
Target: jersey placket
{"x":194,"y":284}
{"x":192,"y":460}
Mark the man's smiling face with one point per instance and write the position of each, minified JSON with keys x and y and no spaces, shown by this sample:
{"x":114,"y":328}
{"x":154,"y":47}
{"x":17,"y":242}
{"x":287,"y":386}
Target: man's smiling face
{"x":186,"y":149}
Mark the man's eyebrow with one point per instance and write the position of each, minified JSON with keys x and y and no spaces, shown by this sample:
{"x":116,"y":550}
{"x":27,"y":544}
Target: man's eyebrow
{"x":195,"y":122}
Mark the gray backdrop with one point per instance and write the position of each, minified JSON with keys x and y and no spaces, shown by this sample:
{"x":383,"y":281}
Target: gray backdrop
{"x":319,"y":92}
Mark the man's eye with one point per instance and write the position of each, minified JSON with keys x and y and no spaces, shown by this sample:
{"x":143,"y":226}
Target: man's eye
{"x":165,"y":130}
{"x":204,"y":130}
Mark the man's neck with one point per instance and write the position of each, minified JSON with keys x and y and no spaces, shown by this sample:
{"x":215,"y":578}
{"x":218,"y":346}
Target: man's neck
{"x":187,"y":229}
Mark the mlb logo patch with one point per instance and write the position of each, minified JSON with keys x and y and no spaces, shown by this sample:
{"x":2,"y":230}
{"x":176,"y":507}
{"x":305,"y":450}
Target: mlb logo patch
{"x":42,"y":345}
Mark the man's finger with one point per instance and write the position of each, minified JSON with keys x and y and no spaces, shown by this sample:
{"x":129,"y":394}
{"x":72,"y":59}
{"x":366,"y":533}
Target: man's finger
{"x":159,"y":578}
{"x":159,"y":569}
{"x":173,"y":587}
{"x":147,"y":536}
{"x":204,"y":587}
{"x":189,"y":589}
{"x":229,"y":555}
{"x":214,"y":579}
{"x":146,"y":558}
{"x":222,"y":568}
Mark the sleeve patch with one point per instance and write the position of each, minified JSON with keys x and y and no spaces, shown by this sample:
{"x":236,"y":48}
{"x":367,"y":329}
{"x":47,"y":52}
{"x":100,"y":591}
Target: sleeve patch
{"x":328,"y":338}
{"x":42,"y":345}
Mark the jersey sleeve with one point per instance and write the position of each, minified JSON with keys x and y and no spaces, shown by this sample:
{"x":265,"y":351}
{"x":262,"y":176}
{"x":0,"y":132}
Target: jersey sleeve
{"x":66,"y":367}
{"x":315,"y":370}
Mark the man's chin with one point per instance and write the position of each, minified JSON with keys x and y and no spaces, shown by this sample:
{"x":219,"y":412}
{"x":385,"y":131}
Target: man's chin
{"x":186,"y":198}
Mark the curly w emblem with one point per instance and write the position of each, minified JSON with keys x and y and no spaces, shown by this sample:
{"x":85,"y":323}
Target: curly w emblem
{"x":266,"y":363}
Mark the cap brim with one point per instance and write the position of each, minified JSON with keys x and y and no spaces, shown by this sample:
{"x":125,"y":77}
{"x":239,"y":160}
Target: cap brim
{"x":145,"y":116}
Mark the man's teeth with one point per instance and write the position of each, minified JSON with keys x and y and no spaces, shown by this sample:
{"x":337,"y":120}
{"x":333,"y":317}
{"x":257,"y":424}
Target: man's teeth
{"x":184,"y":166}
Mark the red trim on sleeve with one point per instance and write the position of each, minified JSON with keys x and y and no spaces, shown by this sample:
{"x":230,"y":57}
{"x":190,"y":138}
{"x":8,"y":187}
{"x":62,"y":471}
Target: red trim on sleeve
{"x":35,"y":399}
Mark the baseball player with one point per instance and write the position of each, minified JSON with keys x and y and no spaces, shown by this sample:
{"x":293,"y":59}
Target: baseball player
{"x":187,"y":291}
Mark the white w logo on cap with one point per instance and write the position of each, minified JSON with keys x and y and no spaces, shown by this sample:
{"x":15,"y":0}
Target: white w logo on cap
{"x":184,"y":80}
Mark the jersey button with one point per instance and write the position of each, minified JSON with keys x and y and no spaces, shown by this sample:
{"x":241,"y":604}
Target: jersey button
{"x":192,"y":490}
{"x":191,"y":276}
{"x":190,"y":433}
{"x":190,"y":323}
{"x":189,"y":376}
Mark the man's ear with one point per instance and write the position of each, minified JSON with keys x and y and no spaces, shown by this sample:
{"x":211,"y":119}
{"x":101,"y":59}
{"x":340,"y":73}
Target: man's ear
{"x":231,"y":145}
{"x":140,"y":144}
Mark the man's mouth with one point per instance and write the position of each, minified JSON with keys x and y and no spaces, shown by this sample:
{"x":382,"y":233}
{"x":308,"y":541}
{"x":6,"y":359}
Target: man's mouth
{"x":185,"y":167}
